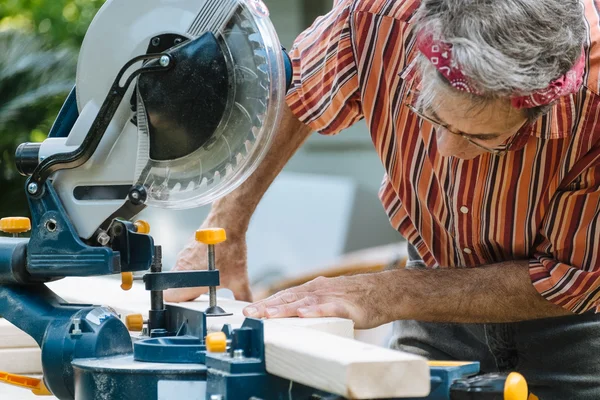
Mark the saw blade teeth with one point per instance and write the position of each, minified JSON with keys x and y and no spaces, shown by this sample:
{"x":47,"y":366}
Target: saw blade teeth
{"x":176,"y":188}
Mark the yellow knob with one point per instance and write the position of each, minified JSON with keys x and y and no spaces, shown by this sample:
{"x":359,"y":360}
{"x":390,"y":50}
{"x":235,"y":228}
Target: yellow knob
{"x":134,"y":322}
{"x":211,"y":236}
{"x":142,"y":226}
{"x":515,"y":387}
{"x":216,"y":342}
{"x":126,"y":280}
{"x":15,"y":225}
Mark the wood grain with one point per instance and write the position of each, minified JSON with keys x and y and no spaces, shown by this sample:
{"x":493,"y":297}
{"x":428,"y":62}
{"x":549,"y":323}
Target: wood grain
{"x":343,"y":366}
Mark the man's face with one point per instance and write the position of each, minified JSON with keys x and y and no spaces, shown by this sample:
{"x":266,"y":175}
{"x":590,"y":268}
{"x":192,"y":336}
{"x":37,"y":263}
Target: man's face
{"x":489,"y":125}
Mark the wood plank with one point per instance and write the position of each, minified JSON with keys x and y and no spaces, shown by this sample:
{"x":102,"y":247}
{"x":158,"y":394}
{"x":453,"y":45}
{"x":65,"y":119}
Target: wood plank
{"x":21,"y":361}
{"x":343,"y":366}
{"x":106,"y":291}
{"x":13,"y":337}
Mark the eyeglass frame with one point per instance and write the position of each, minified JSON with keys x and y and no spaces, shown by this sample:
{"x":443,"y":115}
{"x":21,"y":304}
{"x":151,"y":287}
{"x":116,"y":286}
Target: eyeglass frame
{"x":463,"y":135}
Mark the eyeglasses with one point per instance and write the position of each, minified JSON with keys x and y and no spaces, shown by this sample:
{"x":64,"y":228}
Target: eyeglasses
{"x":498,"y":150}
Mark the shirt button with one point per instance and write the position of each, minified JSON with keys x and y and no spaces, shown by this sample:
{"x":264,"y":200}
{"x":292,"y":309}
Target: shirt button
{"x":464,"y":210}
{"x":468,"y":251}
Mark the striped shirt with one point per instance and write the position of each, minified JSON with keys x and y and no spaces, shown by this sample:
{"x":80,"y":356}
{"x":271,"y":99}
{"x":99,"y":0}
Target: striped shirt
{"x":540,"y":202}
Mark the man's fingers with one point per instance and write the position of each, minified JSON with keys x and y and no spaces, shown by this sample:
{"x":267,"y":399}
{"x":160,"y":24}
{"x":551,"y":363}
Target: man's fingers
{"x":278,"y":307}
{"x":257,"y":309}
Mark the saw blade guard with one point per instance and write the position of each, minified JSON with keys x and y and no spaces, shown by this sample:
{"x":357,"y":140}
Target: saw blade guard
{"x":206,"y":122}
{"x":224,"y":112}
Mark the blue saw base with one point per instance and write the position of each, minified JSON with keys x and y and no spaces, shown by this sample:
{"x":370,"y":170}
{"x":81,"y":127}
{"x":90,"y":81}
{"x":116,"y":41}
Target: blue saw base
{"x":123,"y":378}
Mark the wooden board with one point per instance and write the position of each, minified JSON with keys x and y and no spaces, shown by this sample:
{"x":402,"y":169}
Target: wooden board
{"x":106,"y":291}
{"x":13,"y":337}
{"x":343,"y":366}
{"x":21,"y":361}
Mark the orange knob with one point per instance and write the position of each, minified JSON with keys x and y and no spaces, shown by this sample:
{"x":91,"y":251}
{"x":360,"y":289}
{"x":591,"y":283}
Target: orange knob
{"x":216,"y":342}
{"x":134,"y":322}
{"x":142,"y":226}
{"x":515,"y":387}
{"x":126,"y":280}
{"x":15,"y":225}
{"x":211,"y":236}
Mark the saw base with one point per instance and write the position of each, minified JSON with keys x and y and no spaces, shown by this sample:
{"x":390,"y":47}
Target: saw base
{"x":124,"y":378}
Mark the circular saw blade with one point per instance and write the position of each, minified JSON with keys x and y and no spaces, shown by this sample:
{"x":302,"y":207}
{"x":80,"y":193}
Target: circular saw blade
{"x":254,"y":99}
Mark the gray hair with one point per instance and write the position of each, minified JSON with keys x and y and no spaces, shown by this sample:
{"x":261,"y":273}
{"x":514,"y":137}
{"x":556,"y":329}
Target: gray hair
{"x":503,"y":46}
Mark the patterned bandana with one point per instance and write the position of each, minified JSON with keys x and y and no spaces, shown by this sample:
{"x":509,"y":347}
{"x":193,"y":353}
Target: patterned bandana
{"x":440,"y":55}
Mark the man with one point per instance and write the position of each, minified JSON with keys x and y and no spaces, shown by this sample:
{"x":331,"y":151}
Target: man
{"x":485,"y":115}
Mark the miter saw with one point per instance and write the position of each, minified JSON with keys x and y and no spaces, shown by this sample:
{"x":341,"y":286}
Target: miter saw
{"x":176,"y":103}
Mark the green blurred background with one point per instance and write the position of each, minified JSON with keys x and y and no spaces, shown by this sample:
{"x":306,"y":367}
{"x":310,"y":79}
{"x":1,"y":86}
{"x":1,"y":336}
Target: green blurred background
{"x":39,"y":40}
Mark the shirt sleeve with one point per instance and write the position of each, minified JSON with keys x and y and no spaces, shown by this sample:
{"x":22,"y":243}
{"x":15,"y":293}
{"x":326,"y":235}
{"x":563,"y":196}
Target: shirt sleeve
{"x":325,"y":89}
{"x":566,"y":266}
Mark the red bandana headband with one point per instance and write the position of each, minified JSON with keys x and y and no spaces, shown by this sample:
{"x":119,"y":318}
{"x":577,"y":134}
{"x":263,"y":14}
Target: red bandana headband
{"x":440,"y":55}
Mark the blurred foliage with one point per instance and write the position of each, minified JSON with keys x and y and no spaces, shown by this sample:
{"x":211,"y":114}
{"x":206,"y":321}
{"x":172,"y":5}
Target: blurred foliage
{"x":58,"y":22}
{"x":39,"y":41}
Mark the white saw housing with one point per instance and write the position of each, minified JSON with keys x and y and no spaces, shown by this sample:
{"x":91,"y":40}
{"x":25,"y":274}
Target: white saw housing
{"x":122,"y":30}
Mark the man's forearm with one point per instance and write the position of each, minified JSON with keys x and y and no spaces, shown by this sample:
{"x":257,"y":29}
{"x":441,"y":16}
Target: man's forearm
{"x":236,"y":209}
{"x":496,"y":293}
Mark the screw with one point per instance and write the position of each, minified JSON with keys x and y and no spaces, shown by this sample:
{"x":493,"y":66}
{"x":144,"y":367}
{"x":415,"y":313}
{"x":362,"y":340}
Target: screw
{"x":155,"y":41}
{"x":50,"y":225}
{"x":238,"y":354}
{"x":76,"y":327}
{"x":177,"y":41}
{"x":135,"y":195}
{"x":32,"y":188}
{"x":103,"y":238}
{"x":165,"y":61}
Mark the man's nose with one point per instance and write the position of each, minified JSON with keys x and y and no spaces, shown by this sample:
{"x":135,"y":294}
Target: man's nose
{"x":448,"y":143}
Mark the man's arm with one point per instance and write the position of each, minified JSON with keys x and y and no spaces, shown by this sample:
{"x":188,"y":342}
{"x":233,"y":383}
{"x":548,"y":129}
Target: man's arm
{"x":496,"y":293}
{"x":325,"y":95}
{"x":233,"y":213}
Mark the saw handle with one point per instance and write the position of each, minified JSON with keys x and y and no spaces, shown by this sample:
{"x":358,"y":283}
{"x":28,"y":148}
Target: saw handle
{"x":36,"y":386}
{"x":83,"y":153}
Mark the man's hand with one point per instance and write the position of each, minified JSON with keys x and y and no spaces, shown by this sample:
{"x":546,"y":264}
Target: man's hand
{"x":230,"y":258}
{"x":353,"y":297}
{"x":498,"y":293}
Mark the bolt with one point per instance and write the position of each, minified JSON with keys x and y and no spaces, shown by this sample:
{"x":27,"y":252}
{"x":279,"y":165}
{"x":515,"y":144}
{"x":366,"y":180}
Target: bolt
{"x":212,"y":291}
{"x":238,"y":354}
{"x":103,"y":238}
{"x":135,"y":195}
{"x":165,"y":61}
{"x":76,"y":327}
{"x":50,"y":225}
{"x":177,"y":41}
{"x":155,"y":41}
{"x":32,"y":188}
